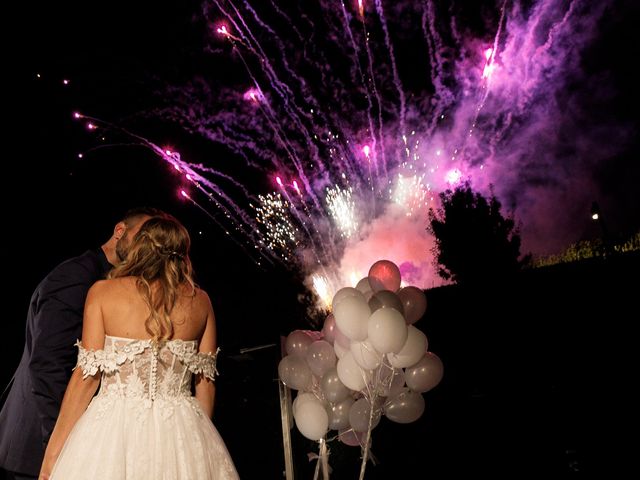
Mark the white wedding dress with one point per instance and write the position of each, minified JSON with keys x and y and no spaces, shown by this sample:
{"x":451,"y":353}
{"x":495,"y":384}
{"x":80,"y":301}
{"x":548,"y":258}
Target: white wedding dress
{"x":144,"y":423}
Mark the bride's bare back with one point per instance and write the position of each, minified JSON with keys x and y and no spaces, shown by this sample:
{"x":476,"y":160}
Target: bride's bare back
{"x":124,"y":310}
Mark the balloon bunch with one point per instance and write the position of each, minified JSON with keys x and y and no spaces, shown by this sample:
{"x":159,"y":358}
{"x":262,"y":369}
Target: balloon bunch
{"x":369,"y":360}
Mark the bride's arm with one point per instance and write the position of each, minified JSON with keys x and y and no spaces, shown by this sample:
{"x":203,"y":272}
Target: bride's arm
{"x":206,"y":388}
{"x":79,"y":391}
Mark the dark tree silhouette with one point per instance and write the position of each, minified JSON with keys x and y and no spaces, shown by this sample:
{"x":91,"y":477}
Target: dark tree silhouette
{"x":474,"y":242}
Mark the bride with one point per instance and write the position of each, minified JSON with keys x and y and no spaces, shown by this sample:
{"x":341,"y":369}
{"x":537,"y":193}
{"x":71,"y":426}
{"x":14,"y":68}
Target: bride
{"x":148,"y":337}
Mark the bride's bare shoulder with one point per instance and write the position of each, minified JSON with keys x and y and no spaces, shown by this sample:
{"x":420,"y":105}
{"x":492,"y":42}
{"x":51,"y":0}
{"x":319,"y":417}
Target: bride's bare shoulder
{"x":112,"y":286}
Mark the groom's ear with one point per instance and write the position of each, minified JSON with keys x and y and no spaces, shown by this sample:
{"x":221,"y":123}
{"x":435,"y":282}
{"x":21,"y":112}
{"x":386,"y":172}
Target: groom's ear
{"x":119,"y":230}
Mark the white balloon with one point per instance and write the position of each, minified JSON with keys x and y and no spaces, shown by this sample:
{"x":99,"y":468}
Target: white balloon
{"x":352,"y":374}
{"x":343,"y":293}
{"x":341,"y":338}
{"x":387,"y":330}
{"x":412,"y":351}
{"x":301,"y":398}
{"x":352,"y":316}
{"x":340,"y":349}
{"x":312,"y":419}
{"x":365,"y":355}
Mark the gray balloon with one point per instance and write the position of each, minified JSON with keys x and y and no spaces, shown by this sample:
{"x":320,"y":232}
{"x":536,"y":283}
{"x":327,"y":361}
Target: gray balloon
{"x":406,"y":407}
{"x":385,"y":299}
{"x":339,"y":414}
{"x":333,"y":388}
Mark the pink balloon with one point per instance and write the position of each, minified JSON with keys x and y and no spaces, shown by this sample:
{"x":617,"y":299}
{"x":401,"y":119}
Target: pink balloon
{"x":351,"y":438}
{"x":414,"y":302}
{"x":321,"y":357}
{"x":329,"y":328}
{"x":384,"y":275}
{"x":297,"y":343}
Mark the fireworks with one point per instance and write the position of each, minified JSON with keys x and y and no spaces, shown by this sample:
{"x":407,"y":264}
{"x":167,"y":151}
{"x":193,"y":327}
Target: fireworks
{"x":343,"y":210}
{"x":279,"y":234}
{"x":348,"y":144}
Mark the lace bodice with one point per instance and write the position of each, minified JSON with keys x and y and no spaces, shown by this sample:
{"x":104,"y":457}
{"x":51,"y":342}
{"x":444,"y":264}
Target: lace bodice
{"x":141,"y":369}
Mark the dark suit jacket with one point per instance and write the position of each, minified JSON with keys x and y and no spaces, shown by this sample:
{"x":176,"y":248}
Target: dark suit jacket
{"x":54,"y":323}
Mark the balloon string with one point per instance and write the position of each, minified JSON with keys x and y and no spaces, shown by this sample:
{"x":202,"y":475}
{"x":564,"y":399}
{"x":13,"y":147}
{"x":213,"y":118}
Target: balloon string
{"x":324,"y":456}
{"x":365,"y":449}
{"x":317,"y":471}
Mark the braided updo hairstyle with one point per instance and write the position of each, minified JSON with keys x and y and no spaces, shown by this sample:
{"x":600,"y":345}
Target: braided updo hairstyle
{"x":159,"y":255}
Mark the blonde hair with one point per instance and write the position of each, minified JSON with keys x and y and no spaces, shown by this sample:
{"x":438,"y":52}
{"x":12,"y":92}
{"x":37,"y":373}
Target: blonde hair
{"x":159,"y":256}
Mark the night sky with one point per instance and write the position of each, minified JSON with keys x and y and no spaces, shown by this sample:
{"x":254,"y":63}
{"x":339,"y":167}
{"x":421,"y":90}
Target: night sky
{"x":135,"y":64}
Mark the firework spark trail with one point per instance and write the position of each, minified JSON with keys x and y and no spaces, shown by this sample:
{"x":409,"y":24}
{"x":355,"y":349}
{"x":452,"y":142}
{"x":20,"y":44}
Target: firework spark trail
{"x":536,"y":62}
{"x":356,"y":60}
{"x":200,"y":167}
{"x":394,"y":68}
{"x":232,"y":211}
{"x":443,"y":95}
{"x":280,"y":134}
{"x":374,"y":88}
{"x":287,"y":96}
{"x":489,"y":66}
{"x":284,"y":92}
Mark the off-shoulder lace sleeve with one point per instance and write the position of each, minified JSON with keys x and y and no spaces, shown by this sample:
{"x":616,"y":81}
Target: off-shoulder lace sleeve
{"x":205,"y":364}
{"x":92,"y":361}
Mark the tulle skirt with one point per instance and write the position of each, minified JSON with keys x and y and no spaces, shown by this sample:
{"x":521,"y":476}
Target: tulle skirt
{"x":121,"y":438}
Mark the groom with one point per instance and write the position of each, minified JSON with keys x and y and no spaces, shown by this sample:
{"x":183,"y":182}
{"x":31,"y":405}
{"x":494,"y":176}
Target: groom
{"x":54,"y":323}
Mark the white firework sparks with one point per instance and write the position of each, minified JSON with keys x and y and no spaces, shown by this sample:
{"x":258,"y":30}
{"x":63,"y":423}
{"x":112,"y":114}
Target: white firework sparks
{"x":279,"y":234}
{"x":342,"y":210}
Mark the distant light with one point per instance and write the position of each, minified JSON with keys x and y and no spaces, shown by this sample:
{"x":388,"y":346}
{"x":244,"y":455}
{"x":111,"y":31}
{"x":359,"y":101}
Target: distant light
{"x":80,"y":155}
{"x":77,"y":115}
{"x":184,"y":194}
{"x":91,"y":126}
{"x":279,"y":181}
{"x":366,"y":150}
{"x":487,"y":53}
{"x":65,"y":81}
{"x":595,"y":216}
{"x":168,"y":152}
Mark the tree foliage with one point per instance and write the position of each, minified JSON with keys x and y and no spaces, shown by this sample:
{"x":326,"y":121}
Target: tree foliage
{"x":474,"y":241}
